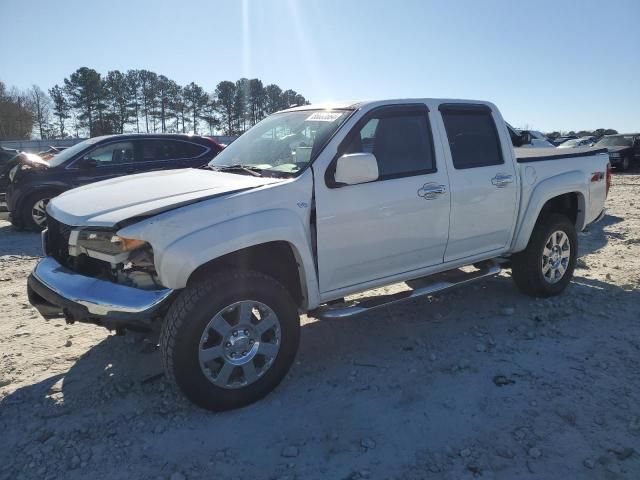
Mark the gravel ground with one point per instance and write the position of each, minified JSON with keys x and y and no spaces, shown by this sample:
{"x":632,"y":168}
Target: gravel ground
{"x":478,"y":382}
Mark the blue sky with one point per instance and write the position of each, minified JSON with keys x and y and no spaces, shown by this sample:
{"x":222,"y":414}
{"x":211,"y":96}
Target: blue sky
{"x":547,"y":64}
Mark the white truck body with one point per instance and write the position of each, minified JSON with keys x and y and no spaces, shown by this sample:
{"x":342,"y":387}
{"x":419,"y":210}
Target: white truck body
{"x":339,"y":224}
{"x":473,"y":221}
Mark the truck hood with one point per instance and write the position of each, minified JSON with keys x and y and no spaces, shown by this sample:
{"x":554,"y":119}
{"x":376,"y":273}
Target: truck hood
{"x":109,"y":202}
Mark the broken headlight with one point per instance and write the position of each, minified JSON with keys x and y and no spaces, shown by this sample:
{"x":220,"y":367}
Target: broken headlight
{"x":103,"y":244}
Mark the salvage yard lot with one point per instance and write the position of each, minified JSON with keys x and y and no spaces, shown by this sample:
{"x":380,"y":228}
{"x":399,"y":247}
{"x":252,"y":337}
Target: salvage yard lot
{"x":478,"y":382}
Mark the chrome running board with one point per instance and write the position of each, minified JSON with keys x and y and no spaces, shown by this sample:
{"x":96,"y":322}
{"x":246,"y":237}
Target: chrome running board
{"x":419,"y":288}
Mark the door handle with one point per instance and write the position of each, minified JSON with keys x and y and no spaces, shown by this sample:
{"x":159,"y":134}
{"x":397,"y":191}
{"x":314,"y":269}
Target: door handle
{"x":431,"y":191}
{"x":501,"y":180}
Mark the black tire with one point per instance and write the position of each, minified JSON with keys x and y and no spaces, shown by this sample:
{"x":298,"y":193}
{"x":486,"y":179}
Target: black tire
{"x":625,"y":163}
{"x":26,"y":219}
{"x":190,"y":314}
{"x":527,"y":266}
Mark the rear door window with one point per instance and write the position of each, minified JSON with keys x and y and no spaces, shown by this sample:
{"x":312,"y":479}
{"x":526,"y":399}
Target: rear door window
{"x":473,"y":137}
{"x":158,"y":150}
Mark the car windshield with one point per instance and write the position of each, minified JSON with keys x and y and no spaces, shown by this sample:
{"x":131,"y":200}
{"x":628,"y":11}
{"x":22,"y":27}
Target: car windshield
{"x":70,"y":152}
{"x":282,"y":144}
{"x":622,"y":141}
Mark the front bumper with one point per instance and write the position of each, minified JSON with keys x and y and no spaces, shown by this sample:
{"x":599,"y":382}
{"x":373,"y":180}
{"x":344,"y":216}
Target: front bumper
{"x":56,"y":291}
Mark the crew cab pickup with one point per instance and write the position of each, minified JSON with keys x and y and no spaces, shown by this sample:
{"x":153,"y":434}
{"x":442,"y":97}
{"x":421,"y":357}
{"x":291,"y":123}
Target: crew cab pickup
{"x":310,"y":206}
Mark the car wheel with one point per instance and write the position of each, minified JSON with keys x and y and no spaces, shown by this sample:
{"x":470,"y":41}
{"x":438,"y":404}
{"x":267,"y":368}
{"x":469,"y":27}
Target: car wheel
{"x":34,"y":210}
{"x":229,"y":339}
{"x":546,"y":266}
{"x":625,"y":163}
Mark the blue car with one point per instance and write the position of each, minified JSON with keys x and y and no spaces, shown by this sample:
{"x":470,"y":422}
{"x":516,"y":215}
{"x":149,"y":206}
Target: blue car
{"x":34,"y":181}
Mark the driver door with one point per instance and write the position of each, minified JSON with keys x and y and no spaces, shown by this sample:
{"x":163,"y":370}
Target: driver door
{"x":396,"y":224}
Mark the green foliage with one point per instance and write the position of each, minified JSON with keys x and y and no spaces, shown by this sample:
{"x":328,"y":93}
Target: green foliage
{"x":16,"y":114}
{"x":139,"y":101}
{"x":598,"y":132}
{"x":61,"y":108}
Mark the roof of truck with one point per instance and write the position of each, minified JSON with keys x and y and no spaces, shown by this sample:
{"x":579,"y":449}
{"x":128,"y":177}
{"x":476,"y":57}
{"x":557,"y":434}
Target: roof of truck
{"x":351,"y":105}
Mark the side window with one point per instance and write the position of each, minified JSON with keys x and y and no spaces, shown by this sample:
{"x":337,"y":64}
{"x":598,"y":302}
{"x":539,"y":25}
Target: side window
{"x":401,"y":142}
{"x":473,"y":137}
{"x":112,"y":153}
{"x":153,"y":150}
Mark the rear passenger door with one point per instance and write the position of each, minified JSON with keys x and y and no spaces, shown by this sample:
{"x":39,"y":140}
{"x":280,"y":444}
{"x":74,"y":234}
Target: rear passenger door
{"x":165,"y":154}
{"x":484,"y":193}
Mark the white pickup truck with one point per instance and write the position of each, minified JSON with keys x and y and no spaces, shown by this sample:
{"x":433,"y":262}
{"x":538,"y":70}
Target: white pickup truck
{"x":310,"y":206}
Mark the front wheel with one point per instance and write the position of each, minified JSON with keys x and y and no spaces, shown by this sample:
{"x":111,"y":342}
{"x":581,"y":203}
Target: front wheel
{"x":34,"y":211}
{"x":229,"y":339}
{"x":546,"y":266}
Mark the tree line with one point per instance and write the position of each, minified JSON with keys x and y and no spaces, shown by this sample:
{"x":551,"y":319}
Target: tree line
{"x":598,"y":132}
{"x":88,"y":103}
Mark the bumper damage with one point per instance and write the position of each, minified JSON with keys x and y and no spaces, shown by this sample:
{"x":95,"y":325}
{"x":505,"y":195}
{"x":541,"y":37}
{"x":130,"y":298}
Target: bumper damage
{"x":56,"y":291}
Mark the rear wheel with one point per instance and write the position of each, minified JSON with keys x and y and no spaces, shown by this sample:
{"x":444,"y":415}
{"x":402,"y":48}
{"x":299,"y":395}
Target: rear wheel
{"x":34,"y":210}
{"x":228,"y":340}
{"x":546,"y":266}
{"x":625,"y":164}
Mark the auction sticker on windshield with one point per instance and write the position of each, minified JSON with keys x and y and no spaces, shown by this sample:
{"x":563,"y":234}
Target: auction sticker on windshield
{"x":323,"y":117}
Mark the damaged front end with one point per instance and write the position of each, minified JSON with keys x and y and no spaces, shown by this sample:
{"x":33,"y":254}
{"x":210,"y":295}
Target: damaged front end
{"x":93,"y":275}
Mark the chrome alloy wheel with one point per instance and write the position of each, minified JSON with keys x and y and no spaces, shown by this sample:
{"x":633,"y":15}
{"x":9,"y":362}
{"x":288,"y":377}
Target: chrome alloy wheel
{"x":239,"y":344}
{"x":555,"y":257}
{"x":39,"y":212}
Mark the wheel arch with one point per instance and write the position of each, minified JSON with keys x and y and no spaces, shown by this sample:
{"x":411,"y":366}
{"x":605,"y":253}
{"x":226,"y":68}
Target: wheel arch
{"x":246,"y":241}
{"x":278,"y":259}
{"x":564,"y":194}
{"x":37,"y":189}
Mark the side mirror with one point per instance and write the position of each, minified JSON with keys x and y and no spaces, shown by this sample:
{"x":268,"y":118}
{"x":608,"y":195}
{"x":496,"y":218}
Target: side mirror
{"x":525,"y":137}
{"x":356,"y":168}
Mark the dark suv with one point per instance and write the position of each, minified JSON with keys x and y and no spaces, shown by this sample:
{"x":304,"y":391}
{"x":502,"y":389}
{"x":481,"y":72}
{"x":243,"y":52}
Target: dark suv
{"x":623,"y":149}
{"x":33,"y":182}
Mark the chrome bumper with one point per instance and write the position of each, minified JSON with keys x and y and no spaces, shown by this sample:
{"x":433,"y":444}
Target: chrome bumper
{"x":57,"y":292}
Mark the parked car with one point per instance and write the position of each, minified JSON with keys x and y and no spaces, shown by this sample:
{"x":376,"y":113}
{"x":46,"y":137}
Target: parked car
{"x":623,"y":149}
{"x":528,"y":138}
{"x":7,"y":156}
{"x":307,"y":207}
{"x":539,"y":140}
{"x":579,"y":142}
{"x":560,"y":140}
{"x":34,"y":181}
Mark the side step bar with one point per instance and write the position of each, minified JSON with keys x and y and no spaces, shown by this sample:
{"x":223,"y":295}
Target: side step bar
{"x":419,"y":288}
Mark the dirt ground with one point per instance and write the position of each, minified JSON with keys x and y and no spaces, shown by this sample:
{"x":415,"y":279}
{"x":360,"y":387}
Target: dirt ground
{"x":478,"y":382}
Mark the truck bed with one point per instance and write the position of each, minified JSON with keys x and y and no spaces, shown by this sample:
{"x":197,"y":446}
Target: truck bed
{"x":527,"y":155}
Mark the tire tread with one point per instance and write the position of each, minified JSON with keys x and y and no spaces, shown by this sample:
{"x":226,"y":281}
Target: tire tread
{"x":187,"y":301}
{"x":525,"y":268}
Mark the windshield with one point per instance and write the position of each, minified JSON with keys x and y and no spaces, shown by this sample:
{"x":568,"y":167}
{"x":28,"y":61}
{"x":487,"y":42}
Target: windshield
{"x":70,"y":152}
{"x":284,"y":142}
{"x":626,"y":141}
{"x":570,"y":143}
